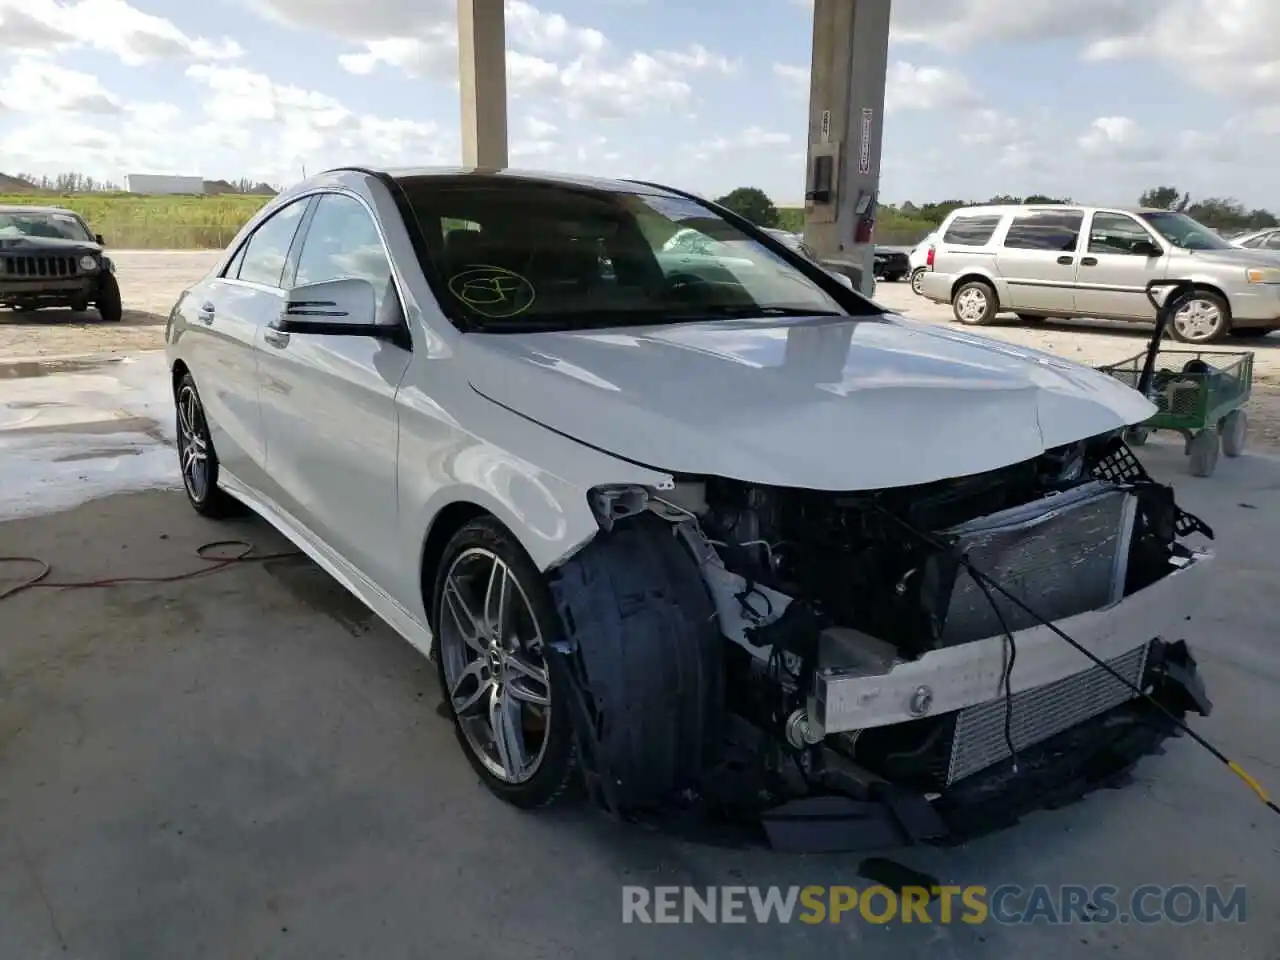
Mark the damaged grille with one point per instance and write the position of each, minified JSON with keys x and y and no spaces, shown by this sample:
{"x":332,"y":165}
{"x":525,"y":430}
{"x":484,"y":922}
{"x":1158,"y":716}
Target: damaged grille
{"x":1062,"y":556}
{"x":30,"y":266}
{"x":1039,"y":713}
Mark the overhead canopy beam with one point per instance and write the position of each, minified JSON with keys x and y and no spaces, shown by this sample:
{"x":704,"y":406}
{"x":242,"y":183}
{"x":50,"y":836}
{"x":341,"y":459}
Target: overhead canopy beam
{"x":846,"y":113}
{"x":482,"y":75}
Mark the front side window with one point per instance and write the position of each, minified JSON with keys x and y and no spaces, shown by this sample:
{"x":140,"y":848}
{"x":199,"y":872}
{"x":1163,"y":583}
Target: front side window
{"x":267,"y":251}
{"x":343,"y":241}
{"x":1182,"y":231}
{"x":1056,"y":231}
{"x":971,"y":231}
{"x":1116,"y":233}
{"x":538,"y":255}
{"x":43,"y":226}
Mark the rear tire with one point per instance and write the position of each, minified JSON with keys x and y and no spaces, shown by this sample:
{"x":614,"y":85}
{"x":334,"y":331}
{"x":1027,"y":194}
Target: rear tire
{"x":1203,"y":451}
{"x":975,"y":303}
{"x":917,"y":281}
{"x":197,"y":459}
{"x":108,"y":303}
{"x":641,"y":629}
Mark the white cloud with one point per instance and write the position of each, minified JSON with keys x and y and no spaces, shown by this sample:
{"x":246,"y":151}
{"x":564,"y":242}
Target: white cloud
{"x":111,"y":26}
{"x":907,"y":86}
{"x":1116,"y":138}
{"x":34,"y":84}
{"x":751,"y":139}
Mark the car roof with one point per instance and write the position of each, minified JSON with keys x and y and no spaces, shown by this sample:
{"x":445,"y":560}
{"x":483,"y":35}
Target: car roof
{"x":1002,"y":208}
{"x":24,"y":208}
{"x":478,"y":176}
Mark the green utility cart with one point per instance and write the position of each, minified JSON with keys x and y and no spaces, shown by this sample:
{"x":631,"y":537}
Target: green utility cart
{"x":1198,"y":393}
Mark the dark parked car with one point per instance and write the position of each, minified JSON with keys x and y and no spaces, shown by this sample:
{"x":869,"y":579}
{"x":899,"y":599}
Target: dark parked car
{"x":892,"y":263}
{"x":50,"y":258}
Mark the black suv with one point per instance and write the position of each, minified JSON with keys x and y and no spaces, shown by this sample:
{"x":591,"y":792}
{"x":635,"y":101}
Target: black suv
{"x":50,"y":258}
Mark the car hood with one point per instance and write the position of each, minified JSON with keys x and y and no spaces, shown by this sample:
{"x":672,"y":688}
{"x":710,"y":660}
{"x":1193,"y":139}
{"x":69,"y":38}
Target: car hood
{"x":1241,"y":256}
{"x":69,"y":248}
{"x":819,"y":403}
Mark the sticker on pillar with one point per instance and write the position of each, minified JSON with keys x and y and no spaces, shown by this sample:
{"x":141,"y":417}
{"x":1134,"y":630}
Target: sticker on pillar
{"x":492,"y":292}
{"x":864,"y":147}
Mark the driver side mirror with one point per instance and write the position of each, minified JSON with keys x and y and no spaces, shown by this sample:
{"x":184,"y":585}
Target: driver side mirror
{"x":1145,"y":248}
{"x":97,"y":238}
{"x":344,"y":307}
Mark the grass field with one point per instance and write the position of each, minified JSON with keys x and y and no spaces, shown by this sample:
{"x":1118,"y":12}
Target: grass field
{"x":129,"y":221}
{"x":139,"y":222}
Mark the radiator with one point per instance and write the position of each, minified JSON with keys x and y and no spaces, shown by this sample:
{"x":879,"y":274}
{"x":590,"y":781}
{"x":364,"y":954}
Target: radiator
{"x":1062,"y":555}
{"x":1040,"y":713}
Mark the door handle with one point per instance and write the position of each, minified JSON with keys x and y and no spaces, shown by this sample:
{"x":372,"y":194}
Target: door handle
{"x":1065,"y":261}
{"x":206,"y":313}
{"x":276,"y":338}
{"x":1089,"y":262}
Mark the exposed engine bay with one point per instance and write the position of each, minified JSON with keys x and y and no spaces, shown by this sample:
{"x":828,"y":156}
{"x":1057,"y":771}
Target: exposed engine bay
{"x":865,"y":655}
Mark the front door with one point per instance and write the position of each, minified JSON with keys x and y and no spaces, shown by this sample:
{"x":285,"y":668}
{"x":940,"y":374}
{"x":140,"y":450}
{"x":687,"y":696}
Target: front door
{"x":1038,"y":260}
{"x":225,"y":317}
{"x":1114,"y":269}
{"x":328,"y":404}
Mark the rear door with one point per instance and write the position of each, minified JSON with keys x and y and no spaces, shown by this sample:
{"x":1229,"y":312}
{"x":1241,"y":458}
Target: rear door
{"x":1112,"y":278}
{"x":1037,"y":260}
{"x":226,"y":316}
{"x":328,"y":402}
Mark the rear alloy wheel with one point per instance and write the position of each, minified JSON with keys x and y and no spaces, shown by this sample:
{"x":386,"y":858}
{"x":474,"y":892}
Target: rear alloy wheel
{"x":196,"y":456}
{"x":1200,"y":317}
{"x":974,"y":304}
{"x":917,"y":281}
{"x":493,"y":618}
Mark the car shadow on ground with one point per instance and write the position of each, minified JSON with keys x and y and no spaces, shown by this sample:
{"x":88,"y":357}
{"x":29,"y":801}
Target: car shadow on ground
{"x":58,"y":315}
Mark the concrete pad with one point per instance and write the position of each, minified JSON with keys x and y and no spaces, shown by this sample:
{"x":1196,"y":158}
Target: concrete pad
{"x":249,"y":765}
{"x":78,"y":428}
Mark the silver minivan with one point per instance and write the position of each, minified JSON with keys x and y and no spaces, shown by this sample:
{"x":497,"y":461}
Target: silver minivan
{"x":1040,"y":262}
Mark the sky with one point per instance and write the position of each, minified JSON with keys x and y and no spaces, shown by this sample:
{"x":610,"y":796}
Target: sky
{"x":1092,"y":99}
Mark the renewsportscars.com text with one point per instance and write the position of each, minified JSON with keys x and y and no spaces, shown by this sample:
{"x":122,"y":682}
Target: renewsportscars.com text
{"x":1005,"y":904}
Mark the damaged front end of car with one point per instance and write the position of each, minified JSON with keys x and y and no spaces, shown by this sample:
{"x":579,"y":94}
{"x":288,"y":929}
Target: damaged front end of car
{"x":917,"y":664}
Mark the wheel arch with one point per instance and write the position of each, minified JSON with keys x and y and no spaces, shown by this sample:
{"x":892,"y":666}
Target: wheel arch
{"x":444,"y":525}
{"x":179,"y":371}
{"x":970,"y":277}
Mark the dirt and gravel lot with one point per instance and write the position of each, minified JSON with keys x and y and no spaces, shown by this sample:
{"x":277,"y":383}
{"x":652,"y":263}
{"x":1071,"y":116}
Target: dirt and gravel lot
{"x":151,"y":281}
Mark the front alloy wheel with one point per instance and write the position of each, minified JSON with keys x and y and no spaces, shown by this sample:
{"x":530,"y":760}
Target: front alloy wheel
{"x":492,"y":623}
{"x":1201,"y":317}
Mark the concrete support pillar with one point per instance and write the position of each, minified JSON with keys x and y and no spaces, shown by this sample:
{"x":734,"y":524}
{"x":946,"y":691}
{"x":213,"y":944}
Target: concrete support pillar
{"x":482,"y":71}
{"x":846,"y":115}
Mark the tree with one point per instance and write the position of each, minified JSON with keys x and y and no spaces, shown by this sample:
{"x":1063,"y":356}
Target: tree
{"x":753,"y":204}
{"x":1165,"y":198}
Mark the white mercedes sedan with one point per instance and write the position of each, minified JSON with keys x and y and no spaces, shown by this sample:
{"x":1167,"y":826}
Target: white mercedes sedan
{"x":712,"y":532}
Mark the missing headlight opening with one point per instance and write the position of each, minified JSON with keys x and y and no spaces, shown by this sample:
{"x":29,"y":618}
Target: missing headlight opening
{"x":923,"y":663}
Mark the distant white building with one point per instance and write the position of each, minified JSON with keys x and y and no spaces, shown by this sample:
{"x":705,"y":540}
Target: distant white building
{"x":163,"y":183}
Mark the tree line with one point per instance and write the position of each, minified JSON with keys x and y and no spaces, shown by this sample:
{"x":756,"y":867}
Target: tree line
{"x":899,"y":220}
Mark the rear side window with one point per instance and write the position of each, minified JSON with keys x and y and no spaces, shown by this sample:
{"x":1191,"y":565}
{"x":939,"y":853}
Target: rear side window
{"x":1272,"y":241}
{"x":1053,"y":230}
{"x":973,"y":231}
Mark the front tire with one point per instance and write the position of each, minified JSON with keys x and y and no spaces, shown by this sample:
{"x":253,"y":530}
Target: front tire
{"x":975,"y":303}
{"x":494,"y":621}
{"x":1200,"y":317}
{"x":197,"y":459}
{"x":108,"y":303}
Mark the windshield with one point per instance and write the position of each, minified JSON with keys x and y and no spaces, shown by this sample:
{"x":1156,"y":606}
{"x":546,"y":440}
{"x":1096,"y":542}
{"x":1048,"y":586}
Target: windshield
{"x":511,"y":254}
{"x":1182,"y":231}
{"x":45,"y":226}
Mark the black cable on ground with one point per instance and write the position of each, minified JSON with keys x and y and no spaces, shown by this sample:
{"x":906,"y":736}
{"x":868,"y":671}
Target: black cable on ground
{"x":981,"y":578}
{"x":244,"y":553}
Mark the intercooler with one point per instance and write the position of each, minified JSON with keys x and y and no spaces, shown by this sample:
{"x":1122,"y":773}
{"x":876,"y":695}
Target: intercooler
{"x":1039,"y":713}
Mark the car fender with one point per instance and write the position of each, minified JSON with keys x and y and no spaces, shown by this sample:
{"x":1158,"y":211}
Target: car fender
{"x":534,"y":480}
